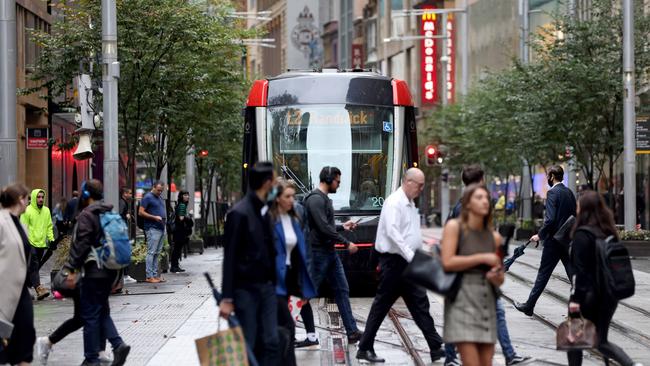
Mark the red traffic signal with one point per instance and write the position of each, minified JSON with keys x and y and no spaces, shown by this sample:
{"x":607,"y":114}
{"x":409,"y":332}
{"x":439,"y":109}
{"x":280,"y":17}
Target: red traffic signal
{"x":431,"y":153}
{"x":203,"y":153}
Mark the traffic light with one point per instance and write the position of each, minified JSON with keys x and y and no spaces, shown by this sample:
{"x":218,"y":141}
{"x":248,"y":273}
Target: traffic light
{"x":431,"y":153}
{"x":203,"y":153}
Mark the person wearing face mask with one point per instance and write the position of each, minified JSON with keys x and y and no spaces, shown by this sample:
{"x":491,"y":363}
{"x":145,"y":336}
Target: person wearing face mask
{"x":560,"y":205}
{"x":249,"y":274}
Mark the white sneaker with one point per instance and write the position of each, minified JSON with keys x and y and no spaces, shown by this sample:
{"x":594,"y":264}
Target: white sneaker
{"x":104,"y":357}
{"x":129,"y":279}
{"x":43,"y":348}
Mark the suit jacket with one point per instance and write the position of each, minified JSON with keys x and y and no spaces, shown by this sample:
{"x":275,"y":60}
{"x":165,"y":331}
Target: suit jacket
{"x":249,"y":251}
{"x":560,"y":205}
{"x":13,"y":271}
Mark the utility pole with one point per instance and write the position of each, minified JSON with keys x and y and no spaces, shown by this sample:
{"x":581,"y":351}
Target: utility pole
{"x":110,"y":74}
{"x":464,"y":60}
{"x":444,"y":183}
{"x":572,"y":176}
{"x":629,"y":116}
{"x":190,"y":177}
{"x":8,"y":149}
{"x":526,"y":188}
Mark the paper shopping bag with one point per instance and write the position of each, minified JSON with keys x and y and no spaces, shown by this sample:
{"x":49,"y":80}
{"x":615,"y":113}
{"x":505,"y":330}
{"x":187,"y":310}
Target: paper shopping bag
{"x":224,"y":348}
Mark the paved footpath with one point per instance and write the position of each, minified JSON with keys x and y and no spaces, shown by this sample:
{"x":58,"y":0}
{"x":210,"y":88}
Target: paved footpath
{"x":162,"y":321}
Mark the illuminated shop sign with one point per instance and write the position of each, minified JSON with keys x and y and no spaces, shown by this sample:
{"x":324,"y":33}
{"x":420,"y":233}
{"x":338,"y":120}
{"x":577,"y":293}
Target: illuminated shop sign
{"x":429,"y":59}
{"x":451,"y":56}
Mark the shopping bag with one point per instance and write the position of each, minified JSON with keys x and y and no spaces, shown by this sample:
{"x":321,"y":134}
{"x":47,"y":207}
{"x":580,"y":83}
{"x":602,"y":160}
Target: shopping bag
{"x":224,"y":348}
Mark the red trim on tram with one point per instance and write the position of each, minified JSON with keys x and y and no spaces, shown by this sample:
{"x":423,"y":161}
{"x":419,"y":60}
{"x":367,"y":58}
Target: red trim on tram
{"x":401,"y":93}
{"x":258,"y":96}
{"x":360,"y":245}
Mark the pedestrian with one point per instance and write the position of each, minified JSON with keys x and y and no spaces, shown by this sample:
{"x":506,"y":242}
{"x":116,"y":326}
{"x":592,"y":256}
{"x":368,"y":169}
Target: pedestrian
{"x":153,"y":211}
{"x":291,"y":270}
{"x":594,"y":221}
{"x":474,"y":174}
{"x":38,"y":221}
{"x":96,"y":282}
{"x":249,"y":267}
{"x":70,"y":211}
{"x":44,"y":344}
{"x":58,"y":218}
{"x":398,"y":237}
{"x":560,"y":205}
{"x":17,"y":332}
{"x":125,"y":210}
{"x":182,"y":229}
{"x":323,"y":235}
{"x":469,"y":247}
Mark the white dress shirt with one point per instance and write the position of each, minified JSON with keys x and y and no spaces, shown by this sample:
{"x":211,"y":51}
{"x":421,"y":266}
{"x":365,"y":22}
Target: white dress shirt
{"x":290,"y":238}
{"x":399,"y":226}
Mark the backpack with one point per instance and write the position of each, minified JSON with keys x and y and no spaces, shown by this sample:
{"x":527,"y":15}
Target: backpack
{"x":115,"y":249}
{"x":616,"y":277}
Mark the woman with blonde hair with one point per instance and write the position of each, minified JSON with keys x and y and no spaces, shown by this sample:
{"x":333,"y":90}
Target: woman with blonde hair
{"x":469,"y":247}
{"x":17,"y":333}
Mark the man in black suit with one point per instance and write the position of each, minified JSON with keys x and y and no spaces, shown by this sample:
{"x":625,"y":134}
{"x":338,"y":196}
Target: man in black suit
{"x":560,"y":205}
{"x":249,"y":267}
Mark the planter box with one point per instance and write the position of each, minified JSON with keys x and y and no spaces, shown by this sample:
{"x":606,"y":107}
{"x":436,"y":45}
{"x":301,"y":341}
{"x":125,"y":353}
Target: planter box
{"x":138,"y":271}
{"x":524,"y":234}
{"x":196,"y":246}
{"x":637,"y":248}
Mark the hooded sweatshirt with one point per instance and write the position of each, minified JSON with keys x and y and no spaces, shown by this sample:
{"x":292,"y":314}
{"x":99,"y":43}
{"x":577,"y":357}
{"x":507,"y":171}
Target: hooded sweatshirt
{"x":38,"y":222}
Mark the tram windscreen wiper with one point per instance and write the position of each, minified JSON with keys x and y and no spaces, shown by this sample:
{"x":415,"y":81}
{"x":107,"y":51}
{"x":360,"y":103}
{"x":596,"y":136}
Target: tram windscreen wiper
{"x":290,"y":173}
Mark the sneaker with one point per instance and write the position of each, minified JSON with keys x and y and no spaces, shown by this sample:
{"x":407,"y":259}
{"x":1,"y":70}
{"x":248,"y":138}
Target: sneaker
{"x":129,"y":279}
{"x":454,"y":362}
{"x":43,"y":348}
{"x":104,"y":359}
{"x":517,"y":360}
{"x":42,"y":292}
{"x":120,"y":353}
{"x":306,"y":343}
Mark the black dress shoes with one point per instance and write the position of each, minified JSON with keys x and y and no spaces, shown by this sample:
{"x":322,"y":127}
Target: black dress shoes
{"x":524,"y":308}
{"x":437,"y":354}
{"x":369,"y":356}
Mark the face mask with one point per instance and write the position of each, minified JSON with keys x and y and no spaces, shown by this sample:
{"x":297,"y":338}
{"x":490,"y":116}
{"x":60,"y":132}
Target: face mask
{"x":273,"y":194}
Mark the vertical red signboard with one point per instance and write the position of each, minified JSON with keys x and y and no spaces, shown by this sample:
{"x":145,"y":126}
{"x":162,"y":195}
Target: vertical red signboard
{"x":429,"y":59}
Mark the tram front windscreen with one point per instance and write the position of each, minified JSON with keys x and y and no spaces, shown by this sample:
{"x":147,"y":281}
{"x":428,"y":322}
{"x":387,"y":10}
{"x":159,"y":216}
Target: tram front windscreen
{"x":357,"y":139}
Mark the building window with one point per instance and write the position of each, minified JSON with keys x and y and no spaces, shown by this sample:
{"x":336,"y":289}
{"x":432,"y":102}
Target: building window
{"x":32,"y":51}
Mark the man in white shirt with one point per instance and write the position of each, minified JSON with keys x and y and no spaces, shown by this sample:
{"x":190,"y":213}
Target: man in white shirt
{"x":398,"y":236}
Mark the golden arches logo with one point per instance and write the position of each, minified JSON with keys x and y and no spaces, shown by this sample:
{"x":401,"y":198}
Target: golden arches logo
{"x":428,"y":16}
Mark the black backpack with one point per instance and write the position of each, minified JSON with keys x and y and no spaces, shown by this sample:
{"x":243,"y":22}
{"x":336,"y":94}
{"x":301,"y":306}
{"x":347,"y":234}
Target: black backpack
{"x":615,"y":275}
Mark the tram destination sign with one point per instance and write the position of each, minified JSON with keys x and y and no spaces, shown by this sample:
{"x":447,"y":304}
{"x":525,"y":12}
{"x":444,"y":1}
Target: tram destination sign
{"x":643,"y":134}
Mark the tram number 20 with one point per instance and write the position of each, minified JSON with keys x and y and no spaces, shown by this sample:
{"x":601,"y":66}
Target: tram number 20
{"x":377,"y":201}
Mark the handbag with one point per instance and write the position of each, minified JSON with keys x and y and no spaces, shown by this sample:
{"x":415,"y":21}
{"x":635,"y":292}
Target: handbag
{"x":575,"y":334}
{"x":426,"y":270}
{"x":224,"y":348}
{"x":59,"y":285}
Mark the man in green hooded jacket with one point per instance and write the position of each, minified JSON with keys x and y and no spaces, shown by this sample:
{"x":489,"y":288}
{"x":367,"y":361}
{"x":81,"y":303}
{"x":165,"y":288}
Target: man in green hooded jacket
{"x":38,"y":220}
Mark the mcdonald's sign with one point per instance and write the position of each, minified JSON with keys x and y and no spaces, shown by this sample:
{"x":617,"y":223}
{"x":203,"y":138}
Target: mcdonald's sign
{"x":429,"y":59}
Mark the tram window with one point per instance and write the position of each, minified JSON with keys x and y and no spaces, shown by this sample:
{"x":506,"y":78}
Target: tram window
{"x":305,"y":138}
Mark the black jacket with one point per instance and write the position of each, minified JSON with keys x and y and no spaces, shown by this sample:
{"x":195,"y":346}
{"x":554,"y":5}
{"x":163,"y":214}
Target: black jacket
{"x":87,"y":234}
{"x":249,"y":252}
{"x":323,"y":232}
{"x":560,"y":205}
{"x":583,"y":263}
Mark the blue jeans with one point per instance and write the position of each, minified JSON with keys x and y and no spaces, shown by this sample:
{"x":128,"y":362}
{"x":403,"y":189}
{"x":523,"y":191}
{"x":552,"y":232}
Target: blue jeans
{"x":256,"y":308}
{"x":96,"y":315}
{"x":327,"y":265}
{"x":154,"y":246}
{"x":502,"y":334}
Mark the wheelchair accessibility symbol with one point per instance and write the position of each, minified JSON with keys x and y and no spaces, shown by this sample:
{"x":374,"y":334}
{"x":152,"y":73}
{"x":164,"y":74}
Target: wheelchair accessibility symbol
{"x":388,"y":126}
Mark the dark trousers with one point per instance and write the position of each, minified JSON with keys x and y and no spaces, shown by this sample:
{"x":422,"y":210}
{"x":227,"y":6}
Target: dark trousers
{"x":391,"y":286}
{"x":601,"y":313}
{"x":288,"y":326}
{"x":73,"y":324}
{"x":96,"y":315}
{"x":177,"y":249}
{"x":256,"y":307}
{"x":23,"y":336}
{"x":307,"y":316}
{"x":552,"y":253}
{"x":35,"y":265}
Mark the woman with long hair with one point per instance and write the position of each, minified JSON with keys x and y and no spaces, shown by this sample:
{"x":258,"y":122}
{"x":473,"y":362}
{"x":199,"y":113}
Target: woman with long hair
{"x":17,"y":333}
{"x":291,"y":260}
{"x":182,"y":229}
{"x":594,"y":221}
{"x":469,"y":247}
